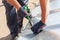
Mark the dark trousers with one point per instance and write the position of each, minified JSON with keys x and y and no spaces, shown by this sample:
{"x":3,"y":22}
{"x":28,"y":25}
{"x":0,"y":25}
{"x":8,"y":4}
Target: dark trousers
{"x":11,"y":16}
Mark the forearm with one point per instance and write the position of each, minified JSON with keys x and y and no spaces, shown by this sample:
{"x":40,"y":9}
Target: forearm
{"x":14,"y":3}
{"x":45,"y":9}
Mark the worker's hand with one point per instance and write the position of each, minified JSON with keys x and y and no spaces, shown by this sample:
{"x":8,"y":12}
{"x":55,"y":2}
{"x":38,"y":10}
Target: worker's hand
{"x":38,"y":27}
{"x":21,"y":12}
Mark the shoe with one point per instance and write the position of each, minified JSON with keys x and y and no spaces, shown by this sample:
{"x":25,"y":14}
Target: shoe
{"x":37,"y":28}
{"x":9,"y":37}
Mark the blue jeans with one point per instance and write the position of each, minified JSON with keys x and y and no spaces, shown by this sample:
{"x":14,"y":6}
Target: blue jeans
{"x":11,"y":16}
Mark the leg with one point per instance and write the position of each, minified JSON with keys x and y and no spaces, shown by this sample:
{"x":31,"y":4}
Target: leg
{"x":19,"y":23}
{"x":11,"y":18}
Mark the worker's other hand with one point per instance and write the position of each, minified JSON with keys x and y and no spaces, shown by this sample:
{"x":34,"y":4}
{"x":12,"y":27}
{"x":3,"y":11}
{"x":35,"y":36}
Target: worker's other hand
{"x":38,"y":27}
